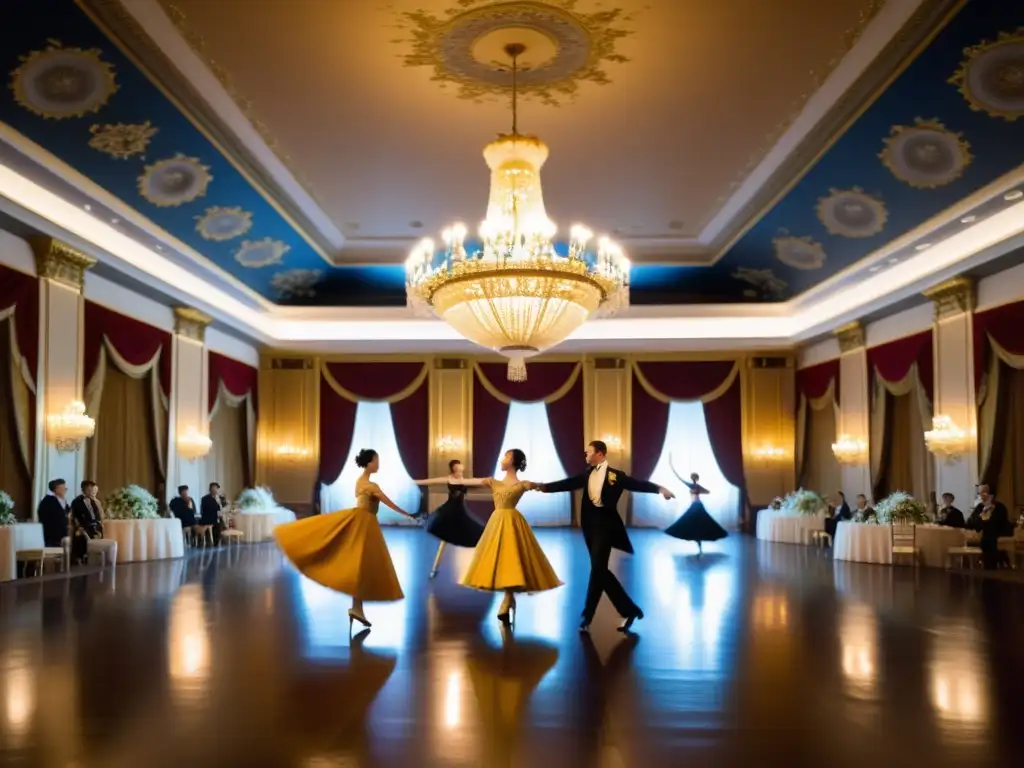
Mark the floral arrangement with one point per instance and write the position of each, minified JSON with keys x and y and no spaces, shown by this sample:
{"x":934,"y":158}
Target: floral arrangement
{"x":803,"y":502}
{"x":777,"y":503}
{"x":7,"y":509}
{"x":901,"y":507}
{"x":131,"y":503}
{"x":256,"y":500}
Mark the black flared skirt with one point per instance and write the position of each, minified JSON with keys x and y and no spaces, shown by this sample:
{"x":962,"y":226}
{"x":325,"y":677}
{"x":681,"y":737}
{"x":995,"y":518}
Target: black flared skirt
{"x":696,"y":525}
{"x":452,"y":523}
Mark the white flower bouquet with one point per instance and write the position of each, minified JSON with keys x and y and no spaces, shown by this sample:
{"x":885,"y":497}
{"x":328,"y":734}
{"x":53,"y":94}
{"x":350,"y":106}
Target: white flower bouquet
{"x":256,"y":500}
{"x":802,"y":502}
{"x":131,"y":503}
{"x":7,"y":509}
{"x":901,"y":508}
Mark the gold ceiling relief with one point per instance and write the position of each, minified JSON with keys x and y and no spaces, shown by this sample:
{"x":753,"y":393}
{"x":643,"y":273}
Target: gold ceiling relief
{"x":763,"y":283}
{"x":463,"y":46}
{"x":219,"y":224}
{"x":60,"y":83}
{"x":174,"y":181}
{"x":255,"y":254}
{"x":926,"y":155}
{"x":122,"y":140}
{"x":296,"y":283}
{"x":799,"y":252}
{"x":852,"y":213}
{"x":991,"y":76}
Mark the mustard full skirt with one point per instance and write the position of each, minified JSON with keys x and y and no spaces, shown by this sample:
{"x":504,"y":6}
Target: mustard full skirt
{"x":508,"y":557}
{"x":344,"y":551}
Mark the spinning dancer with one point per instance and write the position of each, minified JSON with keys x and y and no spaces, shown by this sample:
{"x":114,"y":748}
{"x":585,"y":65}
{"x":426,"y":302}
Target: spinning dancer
{"x":451,"y":522}
{"x":508,"y":558}
{"x":695,"y":524}
{"x":346,"y":551}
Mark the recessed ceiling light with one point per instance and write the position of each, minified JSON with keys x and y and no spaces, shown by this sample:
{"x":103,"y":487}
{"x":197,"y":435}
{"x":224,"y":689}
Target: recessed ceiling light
{"x":1013,"y":194}
{"x":969,"y":219}
{"x":87,"y":207}
{"x":894,"y":260}
{"x":874,"y":268}
{"x":922,"y":246}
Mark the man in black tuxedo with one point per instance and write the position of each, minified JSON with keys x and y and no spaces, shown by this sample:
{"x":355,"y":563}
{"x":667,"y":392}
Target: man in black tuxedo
{"x":183,"y":507}
{"x":842,"y":512}
{"x":603,"y":529}
{"x":209,"y":511}
{"x":53,"y":513}
{"x":949,"y":515}
{"x":993,"y":521}
{"x":86,"y":514}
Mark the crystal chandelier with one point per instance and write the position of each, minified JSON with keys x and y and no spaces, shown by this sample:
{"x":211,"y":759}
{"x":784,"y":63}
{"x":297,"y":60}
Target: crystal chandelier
{"x":849,"y":451}
{"x":193,"y":444}
{"x":67,"y":429}
{"x":515,"y":290}
{"x":946,"y":439}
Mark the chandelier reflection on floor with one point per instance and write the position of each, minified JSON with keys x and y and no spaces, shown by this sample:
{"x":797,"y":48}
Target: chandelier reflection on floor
{"x":516,"y":290}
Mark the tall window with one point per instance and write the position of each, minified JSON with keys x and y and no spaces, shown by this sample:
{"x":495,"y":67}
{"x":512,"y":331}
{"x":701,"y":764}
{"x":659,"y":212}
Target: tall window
{"x":688,"y":449}
{"x":375,"y":429}
{"x":529,"y":430}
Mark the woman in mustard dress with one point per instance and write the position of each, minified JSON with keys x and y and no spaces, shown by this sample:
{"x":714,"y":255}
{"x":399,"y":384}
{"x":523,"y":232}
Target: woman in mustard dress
{"x":345,"y":551}
{"x":508,"y":558}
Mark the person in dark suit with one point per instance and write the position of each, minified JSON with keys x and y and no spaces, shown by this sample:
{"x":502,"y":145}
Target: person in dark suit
{"x":183,"y":507}
{"x":603,"y":529}
{"x":209,"y":512}
{"x":865,"y":512}
{"x":949,"y":515}
{"x":991,"y":518}
{"x":87,"y":520}
{"x":842,"y":512}
{"x":53,"y":513}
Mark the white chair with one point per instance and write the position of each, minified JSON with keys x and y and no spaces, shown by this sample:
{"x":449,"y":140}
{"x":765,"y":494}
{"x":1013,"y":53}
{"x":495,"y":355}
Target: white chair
{"x":971,"y":554}
{"x":821,"y":538}
{"x":232,"y":535}
{"x":41,"y":557}
{"x":904,"y":542}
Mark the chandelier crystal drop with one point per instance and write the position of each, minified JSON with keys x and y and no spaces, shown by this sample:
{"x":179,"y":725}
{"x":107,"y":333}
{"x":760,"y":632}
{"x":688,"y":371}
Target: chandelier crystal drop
{"x":516,"y":289}
{"x":69,"y":428}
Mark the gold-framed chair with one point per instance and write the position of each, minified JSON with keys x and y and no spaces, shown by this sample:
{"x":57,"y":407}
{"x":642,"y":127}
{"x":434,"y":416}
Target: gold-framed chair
{"x":904,"y":542}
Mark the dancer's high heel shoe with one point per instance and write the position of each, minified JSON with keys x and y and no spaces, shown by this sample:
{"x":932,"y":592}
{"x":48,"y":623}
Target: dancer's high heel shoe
{"x":353,"y":616}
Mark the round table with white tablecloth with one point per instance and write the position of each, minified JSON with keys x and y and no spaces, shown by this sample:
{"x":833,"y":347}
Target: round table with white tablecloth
{"x":786,"y":527}
{"x":149,"y":539}
{"x":13,"y":539}
{"x":871,"y":543}
{"x":259,"y":526}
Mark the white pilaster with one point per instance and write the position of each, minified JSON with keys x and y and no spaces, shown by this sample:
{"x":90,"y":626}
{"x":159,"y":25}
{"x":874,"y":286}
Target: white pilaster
{"x":188,"y":402}
{"x":854,"y":405}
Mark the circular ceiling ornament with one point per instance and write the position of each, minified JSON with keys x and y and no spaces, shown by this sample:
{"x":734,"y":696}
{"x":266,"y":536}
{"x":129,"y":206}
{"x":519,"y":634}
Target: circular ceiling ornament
{"x":122,"y":140}
{"x":296,"y":283}
{"x":852,"y":213}
{"x":464,"y":46}
{"x":764,"y":283}
{"x":991,"y":76}
{"x":926,"y":155}
{"x":60,"y":83}
{"x":799,"y":252}
{"x":174,"y":181}
{"x":221,"y":224}
{"x":254,"y":254}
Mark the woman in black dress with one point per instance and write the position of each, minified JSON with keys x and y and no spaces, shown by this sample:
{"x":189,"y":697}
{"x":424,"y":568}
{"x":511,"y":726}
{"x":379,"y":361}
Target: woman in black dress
{"x":696,"y":524}
{"x":451,"y":522}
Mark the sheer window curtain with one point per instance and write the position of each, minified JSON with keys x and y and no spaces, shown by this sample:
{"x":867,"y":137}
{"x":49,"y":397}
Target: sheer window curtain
{"x":688,"y":449}
{"x":529,"y":430}
{"x":375,"y":429}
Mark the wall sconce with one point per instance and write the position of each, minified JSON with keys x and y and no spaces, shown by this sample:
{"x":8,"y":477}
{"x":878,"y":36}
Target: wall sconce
{"x":66,"y":430}
{"x":614,"y":442}
{"x":946,"y":439}
{"x":292,"y":453}
{"x":193,"y":445}
{"x":449,"y":445}
{"x":849,"y":451}
{"x":770,"y":454}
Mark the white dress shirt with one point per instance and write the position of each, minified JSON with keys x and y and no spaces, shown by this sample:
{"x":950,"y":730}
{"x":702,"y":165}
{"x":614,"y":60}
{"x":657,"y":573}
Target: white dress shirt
{"x":596,"y":483}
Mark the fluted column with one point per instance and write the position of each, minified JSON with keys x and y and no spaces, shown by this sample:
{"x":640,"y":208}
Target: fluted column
{"x":188,"y":402}
{"x":854,"y":405}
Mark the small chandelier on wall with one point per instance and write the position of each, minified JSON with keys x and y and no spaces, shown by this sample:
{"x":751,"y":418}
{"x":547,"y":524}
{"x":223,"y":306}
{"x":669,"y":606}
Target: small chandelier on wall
{"x":946,"y":440}
{"x":193,"y":445}
{"x":850,"y":452}
{"x":68,"y":429}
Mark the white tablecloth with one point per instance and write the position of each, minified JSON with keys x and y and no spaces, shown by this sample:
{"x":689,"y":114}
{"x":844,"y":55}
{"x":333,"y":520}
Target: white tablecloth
{"x":869,"y":543}
{"x":259,"y":526}
{"x":776,"y":525}
{"x":139,"y":540}
{"x":14,"y":538}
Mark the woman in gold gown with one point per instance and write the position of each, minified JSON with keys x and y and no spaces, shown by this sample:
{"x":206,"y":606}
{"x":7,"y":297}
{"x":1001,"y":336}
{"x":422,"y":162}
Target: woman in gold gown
{"x":508,"y":558}
{"x":345,"y":551}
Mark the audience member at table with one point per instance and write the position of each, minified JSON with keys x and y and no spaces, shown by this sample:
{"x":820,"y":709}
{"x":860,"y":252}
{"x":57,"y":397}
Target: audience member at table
{"x":53,"y":513}
{"x":948,"y":515}
{"x":992,"y":520}
{"x":183,"y":507}
{"x":87,"y":526}
{"x":842,"y":512}
{"x":865,"y":513}
{"x":209,"y":512}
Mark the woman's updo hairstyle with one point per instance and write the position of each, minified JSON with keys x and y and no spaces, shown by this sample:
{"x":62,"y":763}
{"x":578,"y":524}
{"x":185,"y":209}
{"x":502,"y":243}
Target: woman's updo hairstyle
{"x":518,"y":460}
{"x":364,"y":457}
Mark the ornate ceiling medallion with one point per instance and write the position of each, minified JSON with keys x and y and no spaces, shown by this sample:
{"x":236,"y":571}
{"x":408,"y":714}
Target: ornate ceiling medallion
{"x":765,"y":284}
{"x":296,"y":283}
{"x":221,"y":224}
{"x":799,"y":252}
{"x":60,"y":83}
{"x":991,"y":76}
{"x":464,"y":45}
{"x":926,"y":155}
{"x":254,"y":254}
{"x":851,"y":213}
{"x":174,"y":181}
{"x":122,"y":140}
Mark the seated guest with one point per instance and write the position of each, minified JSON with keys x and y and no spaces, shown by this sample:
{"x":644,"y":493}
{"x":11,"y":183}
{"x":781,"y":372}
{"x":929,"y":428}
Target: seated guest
{"x":949,"y":515}
{"x":993,"y":521}
{"x":842,"y":512}
{"x":209,"y":511}
{"x":53,"y":513}
{"x":183,"y":507}
{"x":864,"y":513}
{"x":87,"y":525}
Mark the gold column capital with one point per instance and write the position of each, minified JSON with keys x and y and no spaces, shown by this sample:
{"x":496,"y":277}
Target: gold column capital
{"x":59,"y":262}
{"x":952,"y":298}
{"x":851,"y":337}
{"x":191,"y":323}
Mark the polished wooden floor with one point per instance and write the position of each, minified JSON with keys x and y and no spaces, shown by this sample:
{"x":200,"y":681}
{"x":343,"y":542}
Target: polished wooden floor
{"x":755,"y":654}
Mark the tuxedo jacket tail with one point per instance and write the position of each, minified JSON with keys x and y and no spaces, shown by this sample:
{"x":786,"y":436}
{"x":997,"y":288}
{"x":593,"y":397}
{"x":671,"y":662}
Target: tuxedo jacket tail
{"x":604,"y":521}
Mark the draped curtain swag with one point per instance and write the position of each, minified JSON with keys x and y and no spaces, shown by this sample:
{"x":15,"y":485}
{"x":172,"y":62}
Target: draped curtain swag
{"x":403,"y":385}
{"x":998,"y":342}
{"x":716,"y":384}
{"x":817,"y":388}
{"x":558,"y":385}
{"x":234,"y":384}
{"x":19,"y":306}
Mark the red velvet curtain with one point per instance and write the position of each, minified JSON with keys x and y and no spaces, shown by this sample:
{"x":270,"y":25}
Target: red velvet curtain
{"x":892,"y":361}
{"x":238,"y":379}
{"x":1005,"y":325}
{"x":22,"y":291}
{"x":813,"y":382}
{"x":369,"y":382}
{"x":490,"y":415}
{"x":134,"y":340}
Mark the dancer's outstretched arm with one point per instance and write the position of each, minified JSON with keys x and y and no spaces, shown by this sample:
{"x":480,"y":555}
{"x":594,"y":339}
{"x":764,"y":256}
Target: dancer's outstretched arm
{"x":643,"y":486}
{"x":434,"y":481}
{"x":476,"y":482}
{"x":569,"y":484}
{"x":388,"y":502}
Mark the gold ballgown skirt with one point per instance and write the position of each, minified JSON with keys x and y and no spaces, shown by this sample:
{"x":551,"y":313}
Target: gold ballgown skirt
{"x":344,"y":551}
{"x":508,"y":556}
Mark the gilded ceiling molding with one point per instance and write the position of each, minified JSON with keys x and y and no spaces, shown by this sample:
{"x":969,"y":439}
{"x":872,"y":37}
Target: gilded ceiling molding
{"x":926,"y":154}
{"x":254,"y":254}
{"x":850,"y":336}
{"x":991,"y":76}
{"x":191,"y":323}
{"x":122,"y":140}
{"x":852,"y":213}
{"x":952,"y":298}
{"x":58,"y":83}
{"x":60,"y":263}
{"x":799,"y":252}
{"x":174,"y":181}
{"x":219,"y":223}
{"x":296,"y":283}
